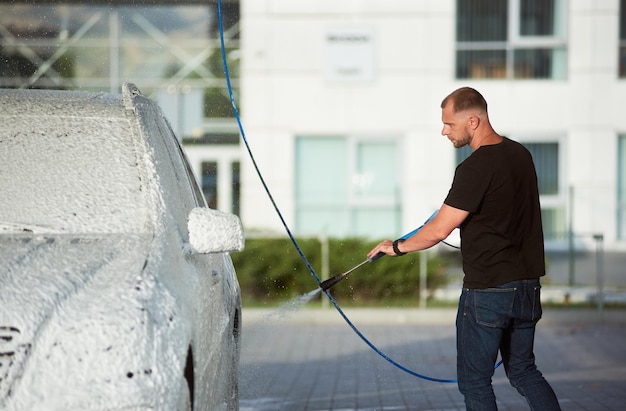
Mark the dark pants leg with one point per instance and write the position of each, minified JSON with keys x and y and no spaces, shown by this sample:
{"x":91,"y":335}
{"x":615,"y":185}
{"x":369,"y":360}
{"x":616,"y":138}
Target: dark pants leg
{"x":500,"y":319}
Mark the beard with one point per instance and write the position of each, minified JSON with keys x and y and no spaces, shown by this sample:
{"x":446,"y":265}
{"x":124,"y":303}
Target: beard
{"x":461,"y":141}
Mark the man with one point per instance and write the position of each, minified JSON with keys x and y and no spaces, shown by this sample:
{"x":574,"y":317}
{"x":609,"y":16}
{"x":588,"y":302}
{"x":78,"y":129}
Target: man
{"x":495,"y":201}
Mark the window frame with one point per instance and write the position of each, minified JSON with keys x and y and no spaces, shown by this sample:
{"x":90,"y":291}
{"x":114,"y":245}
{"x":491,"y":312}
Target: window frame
{"x":516,"y":41}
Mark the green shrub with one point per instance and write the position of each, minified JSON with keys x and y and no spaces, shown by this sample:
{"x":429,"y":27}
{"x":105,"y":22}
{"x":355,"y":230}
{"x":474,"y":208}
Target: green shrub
{"x":271,"y":271}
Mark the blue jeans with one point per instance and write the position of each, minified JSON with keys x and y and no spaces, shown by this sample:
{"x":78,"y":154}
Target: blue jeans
{"x":501,"y":319}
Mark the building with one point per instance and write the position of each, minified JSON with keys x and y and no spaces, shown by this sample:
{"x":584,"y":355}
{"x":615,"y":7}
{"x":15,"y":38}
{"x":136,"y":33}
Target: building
{"x":341,"y":109}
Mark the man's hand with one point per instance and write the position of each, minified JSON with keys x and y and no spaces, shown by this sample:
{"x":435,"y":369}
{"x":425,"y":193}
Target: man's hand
{"x":385,"y":246}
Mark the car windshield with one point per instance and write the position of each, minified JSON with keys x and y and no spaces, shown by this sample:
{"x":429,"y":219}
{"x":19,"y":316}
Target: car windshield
{"x":70,"y":174}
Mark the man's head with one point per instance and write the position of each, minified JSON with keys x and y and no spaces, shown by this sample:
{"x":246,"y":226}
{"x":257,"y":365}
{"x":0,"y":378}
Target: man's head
{"x":464,"y":99}
{"x":463,"y":112}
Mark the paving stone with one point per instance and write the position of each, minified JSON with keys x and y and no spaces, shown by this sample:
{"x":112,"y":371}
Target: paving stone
{"x":312,"y":362}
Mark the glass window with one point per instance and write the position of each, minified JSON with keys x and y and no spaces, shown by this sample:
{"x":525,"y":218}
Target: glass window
{"x":546,"y":159}
{"x":482,"y":20}
{"x":520,"y":39}
{"x":209,"y":183}
{"x":622,"y":38}
{"x":221,"y":184}
{"x":537,"y":17}
{"x":554,"y":223}
{"x":166,"y":49}
{"x":321,"y":192}
{"x":347,"y":186}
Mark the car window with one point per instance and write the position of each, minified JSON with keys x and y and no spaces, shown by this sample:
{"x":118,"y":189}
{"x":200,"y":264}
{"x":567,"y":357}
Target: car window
{"x":175,"y":187}
{"x":199,"y":197}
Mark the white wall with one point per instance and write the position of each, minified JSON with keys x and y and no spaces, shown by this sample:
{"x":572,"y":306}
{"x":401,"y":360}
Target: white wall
{"x":285,"y":94}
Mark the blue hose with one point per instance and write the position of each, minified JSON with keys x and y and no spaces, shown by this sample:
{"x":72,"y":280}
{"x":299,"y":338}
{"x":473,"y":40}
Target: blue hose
{"x":293,"y":240}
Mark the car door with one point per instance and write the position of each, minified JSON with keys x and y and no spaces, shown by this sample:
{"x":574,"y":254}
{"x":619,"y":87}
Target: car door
{"x":216,"y":296}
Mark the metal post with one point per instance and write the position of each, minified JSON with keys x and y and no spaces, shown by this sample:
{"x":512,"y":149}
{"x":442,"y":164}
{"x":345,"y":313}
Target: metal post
{"x":599,"y":238}
{"x":423,"y":268}
{"x":570,"y":236}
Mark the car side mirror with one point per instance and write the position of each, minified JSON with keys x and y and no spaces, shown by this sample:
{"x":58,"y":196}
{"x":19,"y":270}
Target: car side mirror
{"x":212,"y":231}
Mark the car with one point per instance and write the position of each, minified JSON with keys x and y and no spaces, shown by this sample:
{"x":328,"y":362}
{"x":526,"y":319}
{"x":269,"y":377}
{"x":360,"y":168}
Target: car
{"x":117,"y":290}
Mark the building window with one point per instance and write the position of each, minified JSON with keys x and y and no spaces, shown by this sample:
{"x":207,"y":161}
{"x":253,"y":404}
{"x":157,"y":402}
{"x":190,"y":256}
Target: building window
{"x":622,"y":38}
{"x":220,"y":179}
{"x":511,"y":39}
{"x":209,"y":183}
{"x":546,"y":157}
{"x":348,"y":186}
{"x":553,"y":211}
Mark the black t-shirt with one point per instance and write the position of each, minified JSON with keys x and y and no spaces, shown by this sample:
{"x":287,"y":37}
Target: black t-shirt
{"x":502,"y":238}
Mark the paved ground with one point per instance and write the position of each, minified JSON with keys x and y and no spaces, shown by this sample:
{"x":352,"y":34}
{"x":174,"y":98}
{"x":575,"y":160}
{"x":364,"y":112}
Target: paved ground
{"x":311,"y":360}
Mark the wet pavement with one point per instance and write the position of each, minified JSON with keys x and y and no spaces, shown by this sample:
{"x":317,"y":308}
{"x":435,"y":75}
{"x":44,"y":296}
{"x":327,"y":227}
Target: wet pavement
{"x":311,"y":360}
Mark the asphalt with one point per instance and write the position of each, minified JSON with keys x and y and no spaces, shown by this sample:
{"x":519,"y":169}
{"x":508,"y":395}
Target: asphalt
{"x":311,"y":360}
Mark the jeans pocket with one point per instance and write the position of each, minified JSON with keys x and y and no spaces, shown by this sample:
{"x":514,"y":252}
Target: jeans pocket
{"x":536,"y":304}
{"x":493,"y":307}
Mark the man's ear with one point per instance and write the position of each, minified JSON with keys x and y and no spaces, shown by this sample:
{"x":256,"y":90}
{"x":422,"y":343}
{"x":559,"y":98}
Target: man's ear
{"x":474,"y":122}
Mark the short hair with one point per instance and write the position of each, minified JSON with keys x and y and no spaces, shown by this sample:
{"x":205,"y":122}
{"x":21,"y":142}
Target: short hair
{"x":465,"y":98}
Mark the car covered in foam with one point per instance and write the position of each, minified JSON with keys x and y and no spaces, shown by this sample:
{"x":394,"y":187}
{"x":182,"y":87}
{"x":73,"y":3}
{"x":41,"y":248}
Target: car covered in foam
{"x":117,"y":291}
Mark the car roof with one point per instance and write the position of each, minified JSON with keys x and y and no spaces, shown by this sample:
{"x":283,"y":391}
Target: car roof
{"x":76,"y":159}
{"x":66,"y":103}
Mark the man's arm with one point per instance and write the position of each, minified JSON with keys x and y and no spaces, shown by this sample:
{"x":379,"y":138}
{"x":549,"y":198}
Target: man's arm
{"x":438,"y":229}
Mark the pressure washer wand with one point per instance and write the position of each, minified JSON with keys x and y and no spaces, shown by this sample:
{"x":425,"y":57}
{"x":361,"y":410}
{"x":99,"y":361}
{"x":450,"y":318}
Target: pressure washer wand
{"x":325,"y":285}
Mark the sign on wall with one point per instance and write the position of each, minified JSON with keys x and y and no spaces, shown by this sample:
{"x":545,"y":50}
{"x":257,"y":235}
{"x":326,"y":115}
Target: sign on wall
{"x":350,"y":55}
